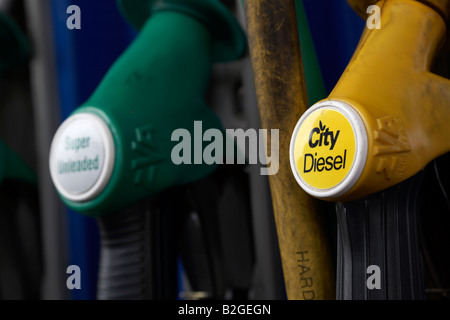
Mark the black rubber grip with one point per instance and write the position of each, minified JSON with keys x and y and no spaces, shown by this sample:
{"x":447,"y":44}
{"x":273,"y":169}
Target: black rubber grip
{"x":137,"y":255}
{"x":381,"y":230}
{"x":124,"y":256}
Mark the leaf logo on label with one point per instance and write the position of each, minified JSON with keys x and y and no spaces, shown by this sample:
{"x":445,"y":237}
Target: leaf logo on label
{"x":322,"y":127}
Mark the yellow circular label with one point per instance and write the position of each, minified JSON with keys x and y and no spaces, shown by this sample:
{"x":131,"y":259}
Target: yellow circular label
{"x":324,"y":148}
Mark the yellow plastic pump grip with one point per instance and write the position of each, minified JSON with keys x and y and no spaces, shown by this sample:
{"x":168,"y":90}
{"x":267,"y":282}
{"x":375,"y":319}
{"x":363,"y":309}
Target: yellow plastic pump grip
{"x":401,"y":104}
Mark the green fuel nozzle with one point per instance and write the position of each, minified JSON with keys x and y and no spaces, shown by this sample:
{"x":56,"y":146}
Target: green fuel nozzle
{"x":116,"y":148}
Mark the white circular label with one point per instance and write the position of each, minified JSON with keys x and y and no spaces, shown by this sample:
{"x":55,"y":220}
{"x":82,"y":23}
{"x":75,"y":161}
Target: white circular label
{"x":81,"y":157}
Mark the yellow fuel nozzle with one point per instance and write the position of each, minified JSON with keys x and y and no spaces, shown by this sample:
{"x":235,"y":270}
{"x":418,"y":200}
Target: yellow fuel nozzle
{"x":388,"y":115}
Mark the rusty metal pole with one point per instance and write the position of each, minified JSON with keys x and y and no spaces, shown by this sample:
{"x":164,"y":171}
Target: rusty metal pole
{"x":281,"y":95}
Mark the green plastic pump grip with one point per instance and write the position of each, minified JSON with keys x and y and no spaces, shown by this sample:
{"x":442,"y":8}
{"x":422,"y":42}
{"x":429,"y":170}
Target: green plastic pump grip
{"x":116,"y":148}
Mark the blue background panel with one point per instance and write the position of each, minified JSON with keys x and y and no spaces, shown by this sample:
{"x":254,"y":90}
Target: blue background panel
{"x":336,"y":30}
